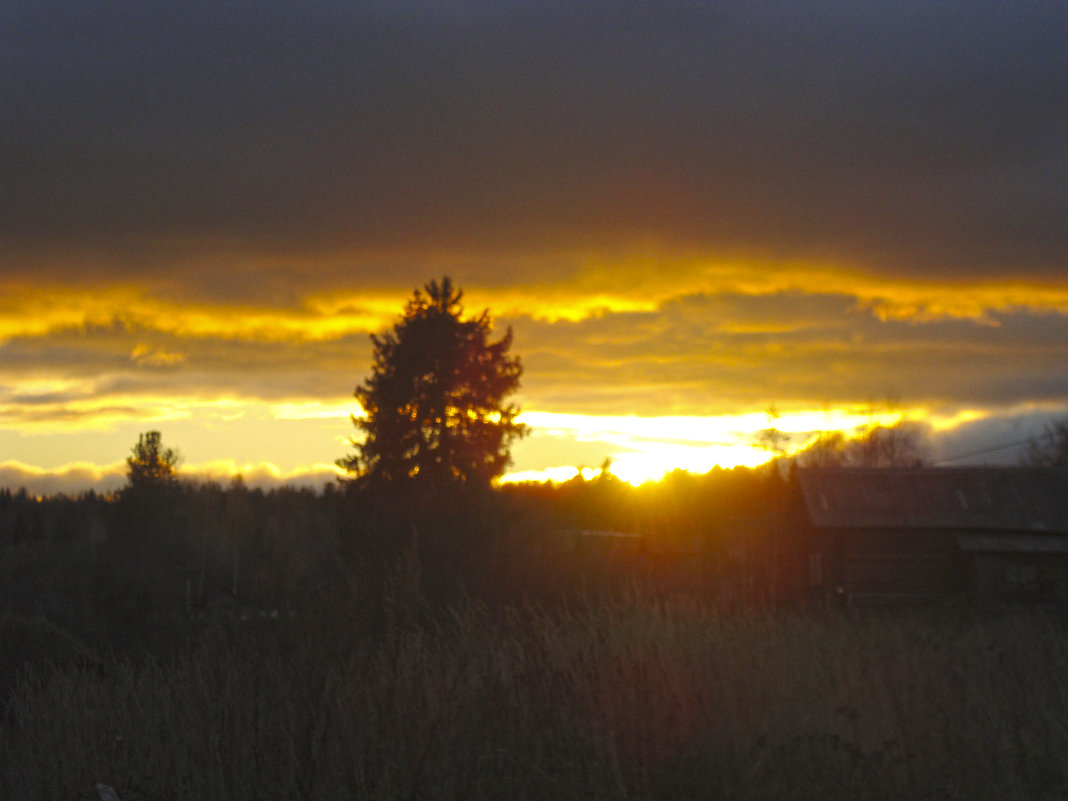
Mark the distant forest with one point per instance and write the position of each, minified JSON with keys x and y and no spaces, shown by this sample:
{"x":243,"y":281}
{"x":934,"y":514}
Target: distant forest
{"x":138,"y":568}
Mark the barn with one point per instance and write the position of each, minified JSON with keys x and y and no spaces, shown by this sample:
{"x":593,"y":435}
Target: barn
{"x":918,"y":535}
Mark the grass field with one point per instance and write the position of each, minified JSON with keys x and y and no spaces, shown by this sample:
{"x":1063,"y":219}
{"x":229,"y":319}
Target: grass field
{"x":637,"y":699}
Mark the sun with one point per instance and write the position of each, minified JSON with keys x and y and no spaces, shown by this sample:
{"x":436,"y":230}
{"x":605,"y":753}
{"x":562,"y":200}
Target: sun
{"x":655,"y":460}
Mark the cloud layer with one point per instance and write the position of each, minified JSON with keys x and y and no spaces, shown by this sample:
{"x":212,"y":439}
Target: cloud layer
{"x":901,"y":137}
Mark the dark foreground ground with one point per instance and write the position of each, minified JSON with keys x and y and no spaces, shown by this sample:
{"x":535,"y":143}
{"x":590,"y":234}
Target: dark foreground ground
{"x":632,"y":699}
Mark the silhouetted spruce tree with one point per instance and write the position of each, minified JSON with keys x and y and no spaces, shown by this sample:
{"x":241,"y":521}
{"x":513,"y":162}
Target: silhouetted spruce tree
{"x":140,"y":577}
{"x":151,"y":467}
{"x":434,"y":406}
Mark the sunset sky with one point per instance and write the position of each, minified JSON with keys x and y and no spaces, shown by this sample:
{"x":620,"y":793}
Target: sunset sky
{"x":686,"y":211}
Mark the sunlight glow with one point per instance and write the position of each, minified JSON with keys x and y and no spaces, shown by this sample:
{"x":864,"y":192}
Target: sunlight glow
{"x":71,"y":478}
{"x":261,"y":473}
{"x":655,"y":460}
{"x":557,"y":475}
{"x":88,"y":414}
{"x":96,"y":471}
{"x":644,"y":449}
{"x":724,"y":430}
{"x":314,"y":410}
{"x":946,"y":422}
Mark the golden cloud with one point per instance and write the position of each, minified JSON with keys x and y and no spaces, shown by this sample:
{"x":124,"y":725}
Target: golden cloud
{"x":148,"y":356}
{"x":692,"y":336}
{"x":590,"y":289}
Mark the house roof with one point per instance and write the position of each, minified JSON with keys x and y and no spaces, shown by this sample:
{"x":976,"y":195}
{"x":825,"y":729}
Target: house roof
{"x":975,"y":498}
{"x":1012,"y":543}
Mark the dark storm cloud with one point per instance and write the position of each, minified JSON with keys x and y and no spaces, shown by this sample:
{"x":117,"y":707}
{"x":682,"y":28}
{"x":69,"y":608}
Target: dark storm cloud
{"x":900,"y":137}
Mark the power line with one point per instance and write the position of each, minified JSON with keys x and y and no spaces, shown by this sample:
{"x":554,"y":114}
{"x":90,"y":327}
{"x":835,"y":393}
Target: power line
{"x":984,"y":451}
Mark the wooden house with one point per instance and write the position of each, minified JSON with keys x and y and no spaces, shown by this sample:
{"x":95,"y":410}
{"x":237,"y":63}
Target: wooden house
{"x":916,"y":535}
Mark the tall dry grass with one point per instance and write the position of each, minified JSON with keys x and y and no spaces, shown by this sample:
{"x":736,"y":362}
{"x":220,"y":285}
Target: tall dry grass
{"x":636,"y":699}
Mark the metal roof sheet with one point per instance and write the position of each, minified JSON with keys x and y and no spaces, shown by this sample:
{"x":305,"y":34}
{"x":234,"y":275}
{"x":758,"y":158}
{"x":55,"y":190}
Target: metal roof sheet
{"x":1012,"y":543}
{"x":983,"y":499}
